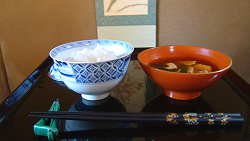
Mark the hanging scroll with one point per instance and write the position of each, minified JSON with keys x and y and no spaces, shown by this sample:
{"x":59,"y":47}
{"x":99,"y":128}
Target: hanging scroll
{"x":132,"y":21}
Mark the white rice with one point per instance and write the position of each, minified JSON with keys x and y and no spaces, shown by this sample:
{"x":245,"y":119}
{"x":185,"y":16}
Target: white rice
{"x":95,"y":55}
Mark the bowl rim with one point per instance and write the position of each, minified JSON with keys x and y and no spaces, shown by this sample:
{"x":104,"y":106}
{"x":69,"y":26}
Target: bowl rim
{"x":221,"y":70}
{"x":80,"y":62}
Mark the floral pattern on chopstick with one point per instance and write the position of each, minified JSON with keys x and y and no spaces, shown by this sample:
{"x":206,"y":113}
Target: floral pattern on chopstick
{"x":202,"y":118}
{"x":191,"y":121}
{"x":172,"y":115}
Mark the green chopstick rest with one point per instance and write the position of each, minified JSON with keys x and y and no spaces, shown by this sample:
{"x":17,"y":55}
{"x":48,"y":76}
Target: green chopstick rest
{"x":48,"y":127}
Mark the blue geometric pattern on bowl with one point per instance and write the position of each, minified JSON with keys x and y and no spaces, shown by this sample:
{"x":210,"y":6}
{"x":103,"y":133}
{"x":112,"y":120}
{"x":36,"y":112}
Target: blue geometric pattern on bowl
{"x":100,"y":72}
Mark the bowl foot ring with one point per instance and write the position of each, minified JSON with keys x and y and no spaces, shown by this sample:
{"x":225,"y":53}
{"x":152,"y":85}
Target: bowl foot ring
{"x":95,"y":97}
{"x":181,"y":95}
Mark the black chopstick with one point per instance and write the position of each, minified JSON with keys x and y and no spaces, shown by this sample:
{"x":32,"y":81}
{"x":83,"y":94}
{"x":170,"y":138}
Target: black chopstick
{"x":143,"y":114}
{"x":169,"y":118}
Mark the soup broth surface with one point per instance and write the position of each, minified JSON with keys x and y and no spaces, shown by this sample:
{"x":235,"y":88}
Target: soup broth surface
{"x":183,"y":65}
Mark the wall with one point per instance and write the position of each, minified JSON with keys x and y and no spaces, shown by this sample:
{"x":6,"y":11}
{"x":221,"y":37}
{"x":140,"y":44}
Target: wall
{"x":29,"y":29}
{"x":4,"y":86}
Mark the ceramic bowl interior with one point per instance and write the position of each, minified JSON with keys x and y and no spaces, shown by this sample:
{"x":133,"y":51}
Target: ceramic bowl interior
{"x":184,"y":86}
{"x":93,"y":80}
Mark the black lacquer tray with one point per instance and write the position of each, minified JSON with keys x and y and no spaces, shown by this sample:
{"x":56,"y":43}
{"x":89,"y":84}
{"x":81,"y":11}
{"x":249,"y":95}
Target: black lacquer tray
{"x":137,"y":93}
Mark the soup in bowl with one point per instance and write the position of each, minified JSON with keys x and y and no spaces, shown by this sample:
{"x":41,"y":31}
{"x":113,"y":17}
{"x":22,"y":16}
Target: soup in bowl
{"x":184,"y":71}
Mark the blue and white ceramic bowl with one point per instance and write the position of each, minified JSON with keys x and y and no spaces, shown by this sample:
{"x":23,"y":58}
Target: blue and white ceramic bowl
{"x":93,"y":80}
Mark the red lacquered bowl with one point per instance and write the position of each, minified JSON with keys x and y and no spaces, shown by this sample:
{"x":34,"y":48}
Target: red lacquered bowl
{"x":184,"y":86}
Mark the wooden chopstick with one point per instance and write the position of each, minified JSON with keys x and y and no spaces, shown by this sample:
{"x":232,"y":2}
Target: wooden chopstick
{"x":169,"y":118}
